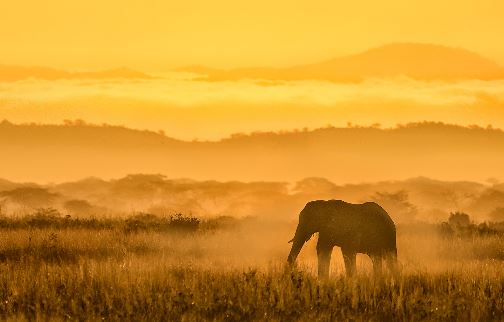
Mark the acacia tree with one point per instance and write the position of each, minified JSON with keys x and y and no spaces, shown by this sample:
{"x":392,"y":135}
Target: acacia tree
{"x":397,"y":205}
{"x":32,"y":197}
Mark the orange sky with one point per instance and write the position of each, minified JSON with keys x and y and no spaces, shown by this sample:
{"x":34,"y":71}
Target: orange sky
{"x":158,"y":34}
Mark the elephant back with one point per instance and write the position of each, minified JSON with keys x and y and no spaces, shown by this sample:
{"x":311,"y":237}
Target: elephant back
{"x":366,"y":227}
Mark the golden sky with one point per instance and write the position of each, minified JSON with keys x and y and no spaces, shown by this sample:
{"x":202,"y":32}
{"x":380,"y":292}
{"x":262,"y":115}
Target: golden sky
{"x":161,"y":34}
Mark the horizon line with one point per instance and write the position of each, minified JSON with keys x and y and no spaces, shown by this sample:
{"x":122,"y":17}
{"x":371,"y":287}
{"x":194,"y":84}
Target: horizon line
{"x":349,"y":125}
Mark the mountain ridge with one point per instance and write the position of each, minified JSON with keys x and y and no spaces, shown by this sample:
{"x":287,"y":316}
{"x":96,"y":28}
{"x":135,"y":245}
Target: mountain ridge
{"x":355,"y":154}
{"x":417,"y":61}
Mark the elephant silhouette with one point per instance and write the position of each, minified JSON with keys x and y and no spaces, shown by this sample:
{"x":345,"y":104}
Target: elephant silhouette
{"x":356,"y":228}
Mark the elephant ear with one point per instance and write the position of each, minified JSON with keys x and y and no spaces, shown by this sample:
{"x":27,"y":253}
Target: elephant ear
{"x":290,"y":241}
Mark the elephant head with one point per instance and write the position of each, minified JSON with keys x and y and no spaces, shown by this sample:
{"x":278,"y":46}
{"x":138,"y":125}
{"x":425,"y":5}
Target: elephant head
{"x":309,"y":224}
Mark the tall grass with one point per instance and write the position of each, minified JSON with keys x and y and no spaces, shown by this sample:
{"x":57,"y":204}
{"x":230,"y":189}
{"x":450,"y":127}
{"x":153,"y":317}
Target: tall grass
{"x":147,"y":290}
{"x":237,"y":273}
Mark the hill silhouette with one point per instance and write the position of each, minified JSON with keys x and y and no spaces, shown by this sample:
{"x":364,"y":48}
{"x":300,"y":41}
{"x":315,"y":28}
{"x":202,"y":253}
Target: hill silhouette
{"x":355,"y":154}
{"x":418,"y":61}
{"x":16,"y":73}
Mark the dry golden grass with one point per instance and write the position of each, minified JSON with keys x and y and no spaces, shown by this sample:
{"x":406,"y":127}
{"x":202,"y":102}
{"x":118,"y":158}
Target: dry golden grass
{"x":238,"y":274}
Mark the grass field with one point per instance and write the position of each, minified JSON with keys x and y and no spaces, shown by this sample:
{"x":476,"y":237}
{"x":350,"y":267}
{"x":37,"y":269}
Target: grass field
{"x":237,"y":273}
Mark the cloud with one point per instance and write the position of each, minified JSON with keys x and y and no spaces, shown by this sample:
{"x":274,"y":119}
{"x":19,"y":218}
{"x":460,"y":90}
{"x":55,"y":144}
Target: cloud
{"x":210,"y":110}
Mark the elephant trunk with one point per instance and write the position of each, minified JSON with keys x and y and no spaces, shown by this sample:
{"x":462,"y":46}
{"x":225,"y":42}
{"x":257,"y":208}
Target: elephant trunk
{"x":297,"y":243}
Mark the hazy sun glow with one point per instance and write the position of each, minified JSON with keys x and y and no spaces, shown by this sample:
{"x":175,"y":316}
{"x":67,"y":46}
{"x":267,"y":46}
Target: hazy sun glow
{"x":157,"y":35}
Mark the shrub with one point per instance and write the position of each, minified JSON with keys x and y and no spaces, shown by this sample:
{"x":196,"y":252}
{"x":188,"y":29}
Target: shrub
{"x":44,"y":217}
{"x":145,"y":222}
{"x":183,"y":223}
{"x":459,"y":225}
{"x":52,"y":218}
{"x":459,"y":219}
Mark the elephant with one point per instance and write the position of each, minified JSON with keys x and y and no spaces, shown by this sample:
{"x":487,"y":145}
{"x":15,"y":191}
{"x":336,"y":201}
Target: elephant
{"x":357,"y":228}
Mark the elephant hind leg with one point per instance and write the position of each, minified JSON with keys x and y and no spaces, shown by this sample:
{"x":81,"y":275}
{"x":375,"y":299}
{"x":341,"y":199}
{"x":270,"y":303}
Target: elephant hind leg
{"x":349,"y":257}
{"x":391,"y":259}
{"x":377,"y":264}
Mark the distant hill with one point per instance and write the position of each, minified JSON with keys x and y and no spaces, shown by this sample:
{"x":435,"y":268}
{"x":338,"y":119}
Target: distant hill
{"x":67,"y":152}
{"x":7,"y":185}
{"x":16,"y":73}
{"x":417,"y":61}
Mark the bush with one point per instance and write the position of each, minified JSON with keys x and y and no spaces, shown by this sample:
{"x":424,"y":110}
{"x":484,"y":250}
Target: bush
{"x":459,"y":225}
{"x":44,"y":217}
{"x":459,"y":219}
{"x":145,"y":222}
{"x":180,"y":222}
{"x":52,"y":218}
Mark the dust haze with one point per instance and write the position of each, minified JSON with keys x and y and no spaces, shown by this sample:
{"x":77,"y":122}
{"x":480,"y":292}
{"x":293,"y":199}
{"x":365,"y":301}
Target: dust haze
{"x":249,"y":223}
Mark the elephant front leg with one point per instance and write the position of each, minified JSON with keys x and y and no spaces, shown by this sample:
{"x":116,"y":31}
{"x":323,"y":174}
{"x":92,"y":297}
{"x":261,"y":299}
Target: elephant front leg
{"x":324,"y":259}
{"x":349,"y":257}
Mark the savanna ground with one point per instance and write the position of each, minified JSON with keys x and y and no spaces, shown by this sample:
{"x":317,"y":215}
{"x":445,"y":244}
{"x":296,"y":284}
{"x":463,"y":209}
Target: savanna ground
{"x":150,"y":268}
